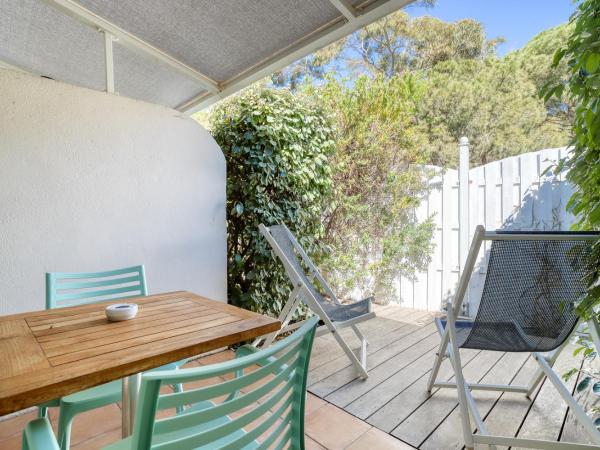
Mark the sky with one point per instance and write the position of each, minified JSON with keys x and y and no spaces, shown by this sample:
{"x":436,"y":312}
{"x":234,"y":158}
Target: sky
{"x":515,"y":20}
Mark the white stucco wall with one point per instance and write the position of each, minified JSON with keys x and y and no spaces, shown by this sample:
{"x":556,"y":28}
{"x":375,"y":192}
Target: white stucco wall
{"x":92,"y":181}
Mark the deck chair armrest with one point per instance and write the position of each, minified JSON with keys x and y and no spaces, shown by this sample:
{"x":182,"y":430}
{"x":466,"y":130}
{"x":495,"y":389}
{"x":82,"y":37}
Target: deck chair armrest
{"x":38,"y":435}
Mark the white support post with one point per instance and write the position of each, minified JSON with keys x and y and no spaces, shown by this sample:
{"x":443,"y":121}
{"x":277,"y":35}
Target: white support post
{"x":109,"y":62}
{"x":345,"y":7}
{"x":463,"y":214}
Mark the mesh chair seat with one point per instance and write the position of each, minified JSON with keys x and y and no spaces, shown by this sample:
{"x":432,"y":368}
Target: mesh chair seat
{"x":335,"y":311}
{"x":528,"y":296}
{"x":341,"y":313}
{"x":497,"y":336}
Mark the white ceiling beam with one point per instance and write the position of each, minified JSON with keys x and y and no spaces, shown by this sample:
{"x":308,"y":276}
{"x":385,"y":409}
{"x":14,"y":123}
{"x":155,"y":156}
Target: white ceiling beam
{"x":132,"y":42}
{"x":6,"y":65}
{"x":315,"y":41}
{"x":345,"y":7}
{"x":109,"y":62}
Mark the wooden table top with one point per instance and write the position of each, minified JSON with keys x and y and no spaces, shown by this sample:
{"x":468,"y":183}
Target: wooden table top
{"x":49,"y":354}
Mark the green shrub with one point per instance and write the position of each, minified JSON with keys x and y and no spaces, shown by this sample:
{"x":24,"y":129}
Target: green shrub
{"x":379,"y":180}
{"x":582,"y":55}
{"x":276,"y":146}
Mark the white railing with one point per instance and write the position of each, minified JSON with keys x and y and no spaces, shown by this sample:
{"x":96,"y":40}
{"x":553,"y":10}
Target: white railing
{"x":516,"y":193}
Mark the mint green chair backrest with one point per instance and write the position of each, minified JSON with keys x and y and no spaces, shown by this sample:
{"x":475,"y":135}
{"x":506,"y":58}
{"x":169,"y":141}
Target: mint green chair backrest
{"x":76,"y":288}
{"x":266,"y":388}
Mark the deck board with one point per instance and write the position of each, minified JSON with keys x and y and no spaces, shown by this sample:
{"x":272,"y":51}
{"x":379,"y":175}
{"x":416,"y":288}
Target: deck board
{"x":402,"y":346}
{"x":449,"y":433}
{"x":385,"y":363}
{"x":367,"y":397}
{"x":422,"y":422}
{"x":571,"y":428}
{"x":548,"y":412}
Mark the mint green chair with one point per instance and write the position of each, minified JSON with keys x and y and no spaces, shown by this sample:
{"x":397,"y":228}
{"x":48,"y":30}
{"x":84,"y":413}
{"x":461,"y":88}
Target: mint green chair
{"x":70,"y":289}
{"x":271,"y":396}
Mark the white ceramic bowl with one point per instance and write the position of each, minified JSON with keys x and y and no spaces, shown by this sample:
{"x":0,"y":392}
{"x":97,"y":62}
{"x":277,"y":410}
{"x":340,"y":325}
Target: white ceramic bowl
{"x":121,"y":311}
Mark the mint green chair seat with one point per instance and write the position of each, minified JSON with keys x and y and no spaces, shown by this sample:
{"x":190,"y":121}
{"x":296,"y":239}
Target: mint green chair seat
{"x":70,"y":289}
{"x":272,"y":397}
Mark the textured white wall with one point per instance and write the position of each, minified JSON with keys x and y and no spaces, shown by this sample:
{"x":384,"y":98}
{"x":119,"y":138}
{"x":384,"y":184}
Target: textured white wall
{"x":92,"y":181}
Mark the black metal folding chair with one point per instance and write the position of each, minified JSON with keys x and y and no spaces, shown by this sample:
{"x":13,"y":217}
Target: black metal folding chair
{"x":532,"y":281}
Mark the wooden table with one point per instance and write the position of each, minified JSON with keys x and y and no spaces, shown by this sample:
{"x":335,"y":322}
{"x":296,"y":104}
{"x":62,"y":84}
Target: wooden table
{"x":49,"y":354}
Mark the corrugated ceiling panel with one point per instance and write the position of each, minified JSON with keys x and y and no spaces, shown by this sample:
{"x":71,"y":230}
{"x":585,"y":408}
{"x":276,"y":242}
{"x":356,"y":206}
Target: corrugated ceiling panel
{"x":42,"y":40}
{"x":218,"y":38}
{"x":37,"y":38}
{"x":143,"y":78}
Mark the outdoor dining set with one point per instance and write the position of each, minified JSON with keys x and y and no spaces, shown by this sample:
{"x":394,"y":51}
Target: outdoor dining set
{"x":79,"y":354}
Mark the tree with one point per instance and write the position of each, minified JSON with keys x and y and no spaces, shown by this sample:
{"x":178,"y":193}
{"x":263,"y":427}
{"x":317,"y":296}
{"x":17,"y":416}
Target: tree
{"x":277,"y":147}
{"x":494,"y":102}
{"x":378,"y":181}
{"x":393,"y":45}
{"x":397,"y":43}
{"x":536,"y":59}
{"x":314,"y":66}
{"x":582,"y":57}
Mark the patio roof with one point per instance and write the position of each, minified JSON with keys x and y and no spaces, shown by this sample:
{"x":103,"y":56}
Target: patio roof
{"x":182,"y":54}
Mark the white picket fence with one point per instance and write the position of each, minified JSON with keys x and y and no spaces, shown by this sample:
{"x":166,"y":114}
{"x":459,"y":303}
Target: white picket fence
{"x":515,"y":193}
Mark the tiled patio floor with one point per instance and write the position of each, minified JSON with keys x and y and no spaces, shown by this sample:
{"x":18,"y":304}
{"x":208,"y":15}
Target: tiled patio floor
{"x":390,"y":410}
{"x":326,"y":426}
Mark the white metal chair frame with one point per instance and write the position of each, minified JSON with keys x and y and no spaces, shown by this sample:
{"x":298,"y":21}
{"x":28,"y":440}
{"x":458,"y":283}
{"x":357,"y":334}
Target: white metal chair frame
{"x":301,"y":292}
{"x":449,"y":348}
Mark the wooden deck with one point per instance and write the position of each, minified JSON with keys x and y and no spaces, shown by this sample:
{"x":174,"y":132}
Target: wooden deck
{"x":402,"y":346}
{"x":391,"y":410}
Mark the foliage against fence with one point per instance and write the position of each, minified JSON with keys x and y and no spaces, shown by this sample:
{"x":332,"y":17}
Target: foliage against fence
{"x":516,"y":193}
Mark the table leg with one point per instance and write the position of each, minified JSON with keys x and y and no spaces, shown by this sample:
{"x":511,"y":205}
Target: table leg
{"x":130,"y":389}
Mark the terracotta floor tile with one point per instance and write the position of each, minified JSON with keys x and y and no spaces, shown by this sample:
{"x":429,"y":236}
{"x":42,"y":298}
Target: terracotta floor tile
{"x":15,"y":424}
{"x":100,"y":441}
{"x":312,"y":404}
{"x":216,"y":357}
{"x":333,"y":428}
{"x":376,"y":439}
{"x":309,"y":444}
{"x":93,"y":423}
{"x":11,"y":443}
{"x":192,"y":363}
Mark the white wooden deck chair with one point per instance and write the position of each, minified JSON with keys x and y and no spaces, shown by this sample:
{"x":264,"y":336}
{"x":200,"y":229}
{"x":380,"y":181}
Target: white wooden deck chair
{"x":334,"y":314}
{"x":532,"y":280}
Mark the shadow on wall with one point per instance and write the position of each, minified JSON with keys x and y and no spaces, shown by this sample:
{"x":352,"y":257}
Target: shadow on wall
{"x":543,"y":208}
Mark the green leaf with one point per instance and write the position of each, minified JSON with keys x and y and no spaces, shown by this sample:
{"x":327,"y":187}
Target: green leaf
{"x":592,"y":62}
{"x":584,"y":384}
{"x":239,"y":209}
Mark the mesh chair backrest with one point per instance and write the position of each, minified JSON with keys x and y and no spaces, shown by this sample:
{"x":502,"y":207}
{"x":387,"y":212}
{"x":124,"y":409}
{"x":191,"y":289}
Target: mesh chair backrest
{"x":76,"y":288}
{"x":267,"y":402}
{"x":291,"y":262}
{"x":529,"y":292}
